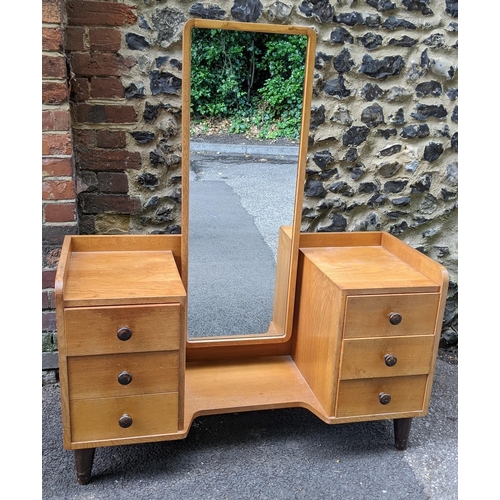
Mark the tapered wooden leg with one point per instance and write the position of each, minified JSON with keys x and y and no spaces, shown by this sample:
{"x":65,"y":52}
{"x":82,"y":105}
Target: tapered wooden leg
{"x":401,"y":432}
{"x":83,"y":463}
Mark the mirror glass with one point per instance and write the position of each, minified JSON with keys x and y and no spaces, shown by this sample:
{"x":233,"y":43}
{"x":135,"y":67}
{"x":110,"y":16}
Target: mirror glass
{"x":237,"y":196}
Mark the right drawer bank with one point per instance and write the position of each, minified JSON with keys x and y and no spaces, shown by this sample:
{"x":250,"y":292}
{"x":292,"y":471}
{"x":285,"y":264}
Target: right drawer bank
{"x":372,"y":319}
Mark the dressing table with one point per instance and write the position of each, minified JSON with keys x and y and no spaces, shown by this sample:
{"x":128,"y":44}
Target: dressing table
{"x":353,"y":337}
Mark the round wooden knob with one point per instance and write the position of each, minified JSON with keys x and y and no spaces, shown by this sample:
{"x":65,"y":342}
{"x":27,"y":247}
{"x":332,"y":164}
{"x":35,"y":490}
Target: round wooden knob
{"x":384,"y":398}
{"x":395,"y":318}
{"x":124,"y":333}
{"x":124,"y":378}
{"x":390,"y":359}
{"x":125,"y":421}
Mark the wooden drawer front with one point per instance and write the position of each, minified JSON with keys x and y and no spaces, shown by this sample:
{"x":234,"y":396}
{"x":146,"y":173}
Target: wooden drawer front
{"x":372,"y":358}
{"x":98,"y":376}
{"x":368,"y":315}
{"x":361,"y":397}
{"x":98,"y":419}
{"x":93,"y":330}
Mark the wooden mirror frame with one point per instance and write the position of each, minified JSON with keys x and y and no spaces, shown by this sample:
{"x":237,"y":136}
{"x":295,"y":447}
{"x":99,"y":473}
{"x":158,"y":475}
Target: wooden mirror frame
{"x":249,"y":343}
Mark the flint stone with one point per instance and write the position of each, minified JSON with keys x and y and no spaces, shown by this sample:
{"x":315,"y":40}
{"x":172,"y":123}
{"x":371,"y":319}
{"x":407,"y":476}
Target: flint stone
{"x":420,"y":5}
{"x":207,"y":11}
{"x":388,"y":169}
{"x":398,"y":118}
{"x":136,"y":42}
{"x":433,"y":151}
{"x":323,"y":158}
{"x":454,"y":115}
{"x":336,"y":87}
{"x":317,"y":116}
{"x":321,"y":10}
{"x":164,"y":83}
{"x":452,"y":94}
{"x":160,"y":61}
{"x":148,"y":180}
{"x":377,"y":199}
{"x":176,"y":64}
{"x":351,"y":155}
{"x":339,"y":223}
{"x":429,"y":88}
{"x":143,"y":23}
{"x":373,"y":115}
{"x":382,"y":5}
{"x":422,"y":185}
{"x":321,"y":60}
{"x":393,"y":23}
{"x":247,"y":10}
{"x":404,"y":41}
{"x":357,"y":172}
{"x":314,"y":189}
{"x":381,"y":68}
{"x":454,"y":142}
{"x":151,"y":112}
{"x":396,"y":214}
{"x":448,"y":195}
{"x":415,"y":131}
{"x":387,"y":133}
{"x":152,"y":202}
{"x":391,"y":150}
{"x":399,"y":228}
{"x":143,"y":137}
{"x":394,"y":186}
{"x":168,"y":23}
{"x":279,"y":11}
{"x":452,"y":8}
{"x":341,"y":35}
{"x":401,"y":202}
{"x":371,"y":41}
{"x":368,"y":187}
{"x":436,"y":41}
{"x":398,"y":94}
{"x":355,"y":136}
{"x":134,"y":91}
{"x":370,"y":92}
{"x":350,"y":19}
{"x":341,"y":187}
{"x":343,"y":62}
{"x":425,"y":111}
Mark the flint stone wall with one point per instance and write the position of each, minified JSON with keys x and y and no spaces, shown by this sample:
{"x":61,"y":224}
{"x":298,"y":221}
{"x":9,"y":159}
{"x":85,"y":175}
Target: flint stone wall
{"x":383,"y":137}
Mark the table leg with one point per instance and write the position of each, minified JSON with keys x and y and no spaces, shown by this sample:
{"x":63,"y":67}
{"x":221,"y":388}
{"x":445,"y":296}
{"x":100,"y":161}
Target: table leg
{"x":401,"y":432}
{"x":83,"y":463}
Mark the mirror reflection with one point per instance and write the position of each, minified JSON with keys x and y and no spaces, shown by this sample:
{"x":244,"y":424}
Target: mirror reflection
{"x":241,"y":192}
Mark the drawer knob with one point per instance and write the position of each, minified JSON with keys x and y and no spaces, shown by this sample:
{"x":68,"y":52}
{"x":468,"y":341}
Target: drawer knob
{"x":124,"y":333}
{"x":395,"y":318}
{"x":125,"y":421}
{"x":390,"y":359}
{"x":124,"y":378}
{"x":384,"y":398}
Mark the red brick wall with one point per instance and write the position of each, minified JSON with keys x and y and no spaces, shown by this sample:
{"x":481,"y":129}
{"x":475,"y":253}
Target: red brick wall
{"x":58,"y":189}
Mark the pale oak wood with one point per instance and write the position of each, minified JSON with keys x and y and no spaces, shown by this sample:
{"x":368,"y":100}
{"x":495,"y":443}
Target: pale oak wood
{"x":93,"y":330}
{"x":361,"y":396}
{"x":368,"y":315}
{"x":280,"y":331}
{"x":97,"y":376}
{"x":365,"y":358}
{"x":122,"y":277}
{"x":97,"y":419}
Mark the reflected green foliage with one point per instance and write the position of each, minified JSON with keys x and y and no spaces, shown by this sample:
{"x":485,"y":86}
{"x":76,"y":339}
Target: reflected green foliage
{"x":255,"y":79}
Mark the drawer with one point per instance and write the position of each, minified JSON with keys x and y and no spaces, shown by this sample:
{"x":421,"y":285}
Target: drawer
{"x":386,"y":357}
{"x":361,"y":397}
{"x":94,"y":330}
{"x":99,"y":419}
{"x":123,"y":374}
{"x":370,"y":315}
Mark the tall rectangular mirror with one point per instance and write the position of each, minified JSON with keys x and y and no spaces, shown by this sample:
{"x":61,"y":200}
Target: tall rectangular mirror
{"x":241,"y":220}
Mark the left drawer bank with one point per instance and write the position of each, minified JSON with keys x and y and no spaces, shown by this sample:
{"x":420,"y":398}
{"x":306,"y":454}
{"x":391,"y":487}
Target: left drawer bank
{"x":121,"y":309}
